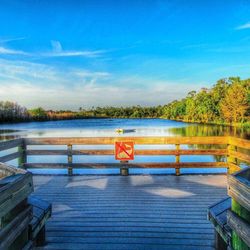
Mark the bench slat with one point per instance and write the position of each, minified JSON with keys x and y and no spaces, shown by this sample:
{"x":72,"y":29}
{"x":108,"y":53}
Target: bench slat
{"x":41,"y":213}
{"x":217,"y":214}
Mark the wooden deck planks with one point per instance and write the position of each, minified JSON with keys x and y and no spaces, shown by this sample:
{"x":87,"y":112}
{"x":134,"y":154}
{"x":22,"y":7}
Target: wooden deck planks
{"x":133,"y":212}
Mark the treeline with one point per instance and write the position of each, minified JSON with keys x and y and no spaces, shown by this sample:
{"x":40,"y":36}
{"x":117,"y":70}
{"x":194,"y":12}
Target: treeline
{"x":227,"y":102}
{"x":98,"y":112}
{"x":12,"y":112}
{"x":123,"y":112}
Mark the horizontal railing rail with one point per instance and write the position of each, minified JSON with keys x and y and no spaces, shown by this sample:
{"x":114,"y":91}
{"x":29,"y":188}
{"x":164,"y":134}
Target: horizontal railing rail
{"x":9,"y":145}
{"x":238,"y":150}
{"x":137,"y":152}
{"x":231,"y":148}
{"x":161,"y":140}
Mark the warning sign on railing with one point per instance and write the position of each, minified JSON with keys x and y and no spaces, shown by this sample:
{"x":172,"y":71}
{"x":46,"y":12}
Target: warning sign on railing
{"x":124,"y":151}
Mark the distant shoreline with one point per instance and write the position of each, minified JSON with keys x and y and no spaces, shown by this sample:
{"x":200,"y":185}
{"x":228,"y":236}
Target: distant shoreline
{"x":81,"y":118}
{"x":227,"y":103}
{"x":245,"y":125}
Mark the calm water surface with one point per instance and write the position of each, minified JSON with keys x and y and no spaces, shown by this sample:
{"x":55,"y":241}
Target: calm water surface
{"x":106,"y":127}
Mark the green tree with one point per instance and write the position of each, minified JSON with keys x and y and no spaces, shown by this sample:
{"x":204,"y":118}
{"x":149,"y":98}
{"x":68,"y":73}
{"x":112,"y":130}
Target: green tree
{"x":38,"y":114}
{"x":235,"y":103}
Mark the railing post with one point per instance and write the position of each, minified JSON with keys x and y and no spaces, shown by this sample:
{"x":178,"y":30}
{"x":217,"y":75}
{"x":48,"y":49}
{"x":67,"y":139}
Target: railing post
{"x":124,"y":171}
{"x":23,"y":157}
{"x":70,"y":169}
{"x":177,"y":160}
{"x":231,"y":160}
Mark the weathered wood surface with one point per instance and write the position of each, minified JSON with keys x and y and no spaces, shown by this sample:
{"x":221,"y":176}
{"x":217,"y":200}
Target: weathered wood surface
{"x":10,"y":157}
{"x":242,"y":143}
{"x":41,"y":213}
{"x":14,"y":190}
{"x":130,"y":165}
{"x":239,"y":226}
{"x":233,"y":168}
{"x":6,"y":170}
{"x":217,"y":214}
{"x":240,"y":156}
{"x":10,"y":232}
{"x":239,"y":218}
{"x":4,"y":145}
{"x":239,"y":188}
{"x":132,"y":212}
{"x":217,"y":211}
{"x":137,"y":152}
{"x":215,"y":140}
{"x":15,"y":213}
{"x":70,"y":142}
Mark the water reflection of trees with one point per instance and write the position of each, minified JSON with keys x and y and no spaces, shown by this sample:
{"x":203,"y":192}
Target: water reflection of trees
{"x":210,"y":130}
{"x":204,"y":130}
{"x":8,"y":134}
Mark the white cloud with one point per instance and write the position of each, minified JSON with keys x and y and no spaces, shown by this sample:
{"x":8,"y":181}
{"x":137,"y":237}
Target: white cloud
{"x":32,"y":85}
{"x":86,"y":53}
{"x":45,"y":75}
{"x":90,"y":94}
{"x":87,"y":73}
{"x":244,"y":26}
{"x":22,"y":71}
{"x":56,"y":45}
{"x":7,"y":40}
{"x":5,"y":51}
{"x":59,"y":52}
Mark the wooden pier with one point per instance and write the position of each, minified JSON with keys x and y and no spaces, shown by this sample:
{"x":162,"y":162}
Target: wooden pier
{"x":136,"y":211}
{"x":132,"y":212}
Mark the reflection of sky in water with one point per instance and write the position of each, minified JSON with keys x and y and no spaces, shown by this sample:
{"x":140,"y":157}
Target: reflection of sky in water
{"x":106,"y":127}
{"x":94,"y":127}
{"x":87,"y":132}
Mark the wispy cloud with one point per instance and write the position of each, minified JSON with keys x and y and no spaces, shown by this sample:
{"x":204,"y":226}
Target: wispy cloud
{"x":56,"y":46}
{"x":87,"y":73}
{"x":86,"y":53}
{"x":6,"y":51}
{"x":90,"y":94}
{"x":7,"y":40}
{"x":243,"y":26}
{"x":37,"y":73}
{"x":59,"y":52}
{"x":27,"y":83}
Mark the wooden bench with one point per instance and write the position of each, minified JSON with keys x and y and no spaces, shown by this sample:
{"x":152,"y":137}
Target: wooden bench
{"x":239,"y":218}
{"x":22,"y":217}
{"x":15,"y":213}
{"x":217,"y":214}
{"x":41,"y":213}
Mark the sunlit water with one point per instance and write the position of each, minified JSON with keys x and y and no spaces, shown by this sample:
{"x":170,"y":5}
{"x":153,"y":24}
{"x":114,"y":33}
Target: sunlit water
{"x":107,"y":127}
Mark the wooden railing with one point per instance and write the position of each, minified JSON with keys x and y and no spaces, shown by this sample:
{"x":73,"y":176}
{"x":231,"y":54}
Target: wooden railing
{"x":233,"y":149}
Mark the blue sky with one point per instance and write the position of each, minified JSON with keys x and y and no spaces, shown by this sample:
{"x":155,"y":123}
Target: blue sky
{"x":66,"y":54}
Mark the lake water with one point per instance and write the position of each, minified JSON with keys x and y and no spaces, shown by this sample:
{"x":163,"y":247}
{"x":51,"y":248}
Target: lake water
{"x":106,"y":127}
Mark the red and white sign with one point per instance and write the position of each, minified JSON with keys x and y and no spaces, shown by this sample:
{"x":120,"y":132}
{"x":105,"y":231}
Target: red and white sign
{"x":124,"y":151}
